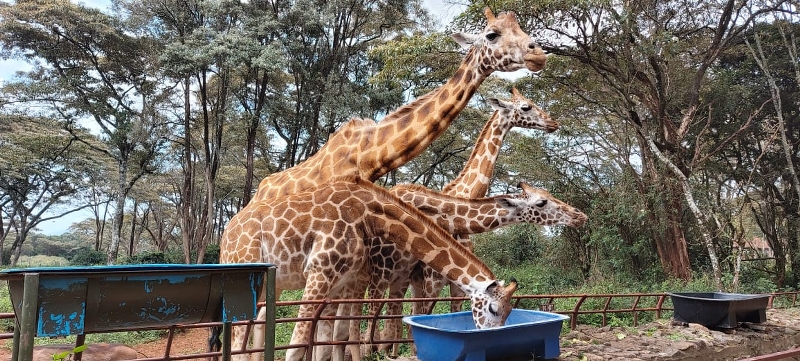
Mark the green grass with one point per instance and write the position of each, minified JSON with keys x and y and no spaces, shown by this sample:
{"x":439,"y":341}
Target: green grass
{"x":41,"y":261}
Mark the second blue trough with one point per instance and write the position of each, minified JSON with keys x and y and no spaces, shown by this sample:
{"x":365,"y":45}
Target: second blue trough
{"x":453,"y":336}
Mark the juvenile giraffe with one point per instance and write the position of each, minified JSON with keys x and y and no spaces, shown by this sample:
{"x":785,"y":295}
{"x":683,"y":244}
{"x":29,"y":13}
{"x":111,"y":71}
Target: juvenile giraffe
{"x":390,"y":266}
{"x":370,"y":150}
{"x":318,"y":242}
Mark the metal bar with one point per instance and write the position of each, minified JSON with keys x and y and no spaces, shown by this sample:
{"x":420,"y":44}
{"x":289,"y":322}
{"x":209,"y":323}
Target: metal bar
{"x":226,"y":341}
{"x":775,"y":356}
{"x":269,"y":327}
{"x":80,"y":340}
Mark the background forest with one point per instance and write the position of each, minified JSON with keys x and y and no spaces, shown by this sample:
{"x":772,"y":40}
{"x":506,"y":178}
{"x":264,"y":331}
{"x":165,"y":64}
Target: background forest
{"x":679,"y":129}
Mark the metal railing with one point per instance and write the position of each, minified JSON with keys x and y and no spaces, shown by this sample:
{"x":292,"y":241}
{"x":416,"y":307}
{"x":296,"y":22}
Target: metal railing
{"x":577,"y":306}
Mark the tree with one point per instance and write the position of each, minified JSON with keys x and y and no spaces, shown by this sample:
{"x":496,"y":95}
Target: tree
{"x":40,"y":168}
{"x":647,"y":64}
{"x":88,"y":66}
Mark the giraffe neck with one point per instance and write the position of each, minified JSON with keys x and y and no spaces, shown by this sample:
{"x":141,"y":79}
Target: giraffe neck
{"x":368,"y":150}
{"x":473,"y":181}
{"x":407,"y":131}
{"x":430,"y":243}
{"x":457,"y":215}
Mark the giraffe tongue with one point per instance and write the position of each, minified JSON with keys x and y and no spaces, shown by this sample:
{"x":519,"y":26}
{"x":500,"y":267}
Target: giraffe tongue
{"x":535,"y":60}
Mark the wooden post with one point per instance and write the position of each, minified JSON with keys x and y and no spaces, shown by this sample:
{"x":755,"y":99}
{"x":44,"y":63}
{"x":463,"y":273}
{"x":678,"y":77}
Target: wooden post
{"x":23,"y":345}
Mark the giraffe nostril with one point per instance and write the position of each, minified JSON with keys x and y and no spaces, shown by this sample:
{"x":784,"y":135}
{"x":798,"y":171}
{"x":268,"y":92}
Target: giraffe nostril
{"x":532,"y":45}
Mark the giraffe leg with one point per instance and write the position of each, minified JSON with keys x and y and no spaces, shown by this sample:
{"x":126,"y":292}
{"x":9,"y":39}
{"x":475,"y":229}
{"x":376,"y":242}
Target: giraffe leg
{"x":343,"y":328}
{"x":325,"y":333}
{"x":393,"y":327}
{"x":237,"y":341}
{"x":259,"y":334}
{"x":318,"y":287}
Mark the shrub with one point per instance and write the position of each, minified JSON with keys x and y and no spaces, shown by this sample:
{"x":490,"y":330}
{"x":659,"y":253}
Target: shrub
{"x":88,"y":257}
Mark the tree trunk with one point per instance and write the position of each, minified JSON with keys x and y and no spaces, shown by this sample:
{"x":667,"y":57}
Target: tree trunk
{"x":132,"y":238}
{"x":119,"y":212}
{"x":252,"y":131}
{"x":187,"y":191}
{"x":671,"y":246}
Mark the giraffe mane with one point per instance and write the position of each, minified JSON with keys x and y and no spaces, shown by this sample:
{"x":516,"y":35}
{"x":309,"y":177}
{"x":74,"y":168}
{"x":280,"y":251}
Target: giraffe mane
{"x":418,"y":188}
{"x":353,"y":124}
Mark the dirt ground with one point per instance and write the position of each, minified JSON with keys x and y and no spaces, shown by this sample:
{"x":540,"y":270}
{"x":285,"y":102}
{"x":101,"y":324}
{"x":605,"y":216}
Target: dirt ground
{"x":661,"y":340}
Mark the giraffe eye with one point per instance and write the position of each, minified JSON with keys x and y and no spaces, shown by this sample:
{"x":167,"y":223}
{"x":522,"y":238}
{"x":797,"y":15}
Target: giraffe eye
{"x":526,"y":108}
{"x":492,"y":310}
{"x":492,"y":36}
{"x":541,"y":203}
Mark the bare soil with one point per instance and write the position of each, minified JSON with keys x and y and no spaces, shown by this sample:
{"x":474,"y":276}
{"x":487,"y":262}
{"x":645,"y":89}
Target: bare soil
{"x":661,"y":340}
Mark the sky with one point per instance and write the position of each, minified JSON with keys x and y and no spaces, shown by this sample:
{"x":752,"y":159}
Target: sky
{"x":439,"y":8}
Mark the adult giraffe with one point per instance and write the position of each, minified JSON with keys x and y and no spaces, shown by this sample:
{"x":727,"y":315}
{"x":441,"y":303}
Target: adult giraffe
{"x":369,"y":150}
{"x":318,"y":241}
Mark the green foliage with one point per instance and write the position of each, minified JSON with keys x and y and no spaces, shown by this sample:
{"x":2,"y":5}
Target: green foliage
{"x":510,"y":246}
{"x":67,"y":355}
{"x":88,"y":257}
{"x":212,"y":254}
{"x":155,"y":257}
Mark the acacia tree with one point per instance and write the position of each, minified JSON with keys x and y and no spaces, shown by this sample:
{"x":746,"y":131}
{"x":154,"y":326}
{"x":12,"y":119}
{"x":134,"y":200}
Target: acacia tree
{"x":40,"y":169}
{"x":650,"y":63}
{"x":87,"y":66}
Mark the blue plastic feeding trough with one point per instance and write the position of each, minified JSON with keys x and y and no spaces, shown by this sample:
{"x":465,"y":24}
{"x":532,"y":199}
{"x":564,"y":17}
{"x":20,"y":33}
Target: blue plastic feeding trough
{"x":453,"y":336}
{"x":718,"y":309}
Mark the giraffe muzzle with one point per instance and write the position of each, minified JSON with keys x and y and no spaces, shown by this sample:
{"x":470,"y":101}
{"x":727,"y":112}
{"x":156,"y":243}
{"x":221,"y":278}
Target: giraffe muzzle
{"x":535,"y":59}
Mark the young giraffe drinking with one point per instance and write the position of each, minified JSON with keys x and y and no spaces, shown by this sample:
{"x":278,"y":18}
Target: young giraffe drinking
{"x":390,"y":266}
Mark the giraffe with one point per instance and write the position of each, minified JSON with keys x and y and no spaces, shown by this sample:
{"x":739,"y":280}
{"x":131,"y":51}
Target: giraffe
{"x":317,"y":241}
{"x":390,"y":266}
{"x":370,"y":150}
{"x":471,"y":182}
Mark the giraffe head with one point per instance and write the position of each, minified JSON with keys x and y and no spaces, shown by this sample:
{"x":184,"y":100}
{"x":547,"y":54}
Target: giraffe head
{"x":492,"y":305}
{"x":502,"y":45}
{"x":538,"y":206}
{"x":521,"y":112}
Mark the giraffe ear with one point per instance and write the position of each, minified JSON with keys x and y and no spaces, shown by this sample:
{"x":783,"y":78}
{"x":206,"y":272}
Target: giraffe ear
{"x":509,"y":202}
{"x":494,"y":102}
{"x":464,"y":39}
{"x":490,"y":287}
